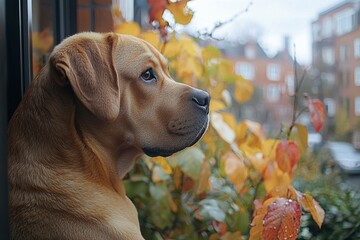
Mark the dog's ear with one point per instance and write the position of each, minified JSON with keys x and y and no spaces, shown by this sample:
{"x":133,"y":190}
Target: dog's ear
{"x":87,"y":63}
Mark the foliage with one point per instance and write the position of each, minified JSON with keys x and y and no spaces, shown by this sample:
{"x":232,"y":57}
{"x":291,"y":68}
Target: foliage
{"x":235,"y":183}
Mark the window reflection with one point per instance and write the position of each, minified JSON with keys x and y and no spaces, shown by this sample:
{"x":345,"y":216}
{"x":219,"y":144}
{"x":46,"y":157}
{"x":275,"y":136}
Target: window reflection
{"x":42,"y":32}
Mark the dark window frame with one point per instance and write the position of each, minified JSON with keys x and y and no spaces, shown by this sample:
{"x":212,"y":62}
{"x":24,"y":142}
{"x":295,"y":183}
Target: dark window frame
{"x":16,"y":71}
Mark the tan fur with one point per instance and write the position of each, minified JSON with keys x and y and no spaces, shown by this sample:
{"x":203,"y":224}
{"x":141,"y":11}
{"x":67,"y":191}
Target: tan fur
{"x":81,"y":125}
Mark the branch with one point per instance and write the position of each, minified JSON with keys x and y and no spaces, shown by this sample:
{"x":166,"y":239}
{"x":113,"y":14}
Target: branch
{"x":221,"y":24}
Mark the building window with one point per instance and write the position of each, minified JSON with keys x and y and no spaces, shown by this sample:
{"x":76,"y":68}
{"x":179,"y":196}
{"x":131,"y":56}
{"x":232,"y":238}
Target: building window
{"x":343,"y":52}
{"x":273,"y":72}
{"x":357,"y":48}
{"x":315,"y":32}
{"x":357,"y":76}
{"x":290,"y":83}
{"x":357,"y":106}
{"x":330,"y":106}
{"x":327,"y":28}
{"x":328,"y":56}
{"x":273,"y":93}
{"x":344,"y":21}
{"x":246,"y":70}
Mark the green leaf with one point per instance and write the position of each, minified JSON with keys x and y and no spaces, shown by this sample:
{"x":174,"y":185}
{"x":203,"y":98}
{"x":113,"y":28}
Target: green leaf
{"x":136,"y":189}
{"x":190,"y":161}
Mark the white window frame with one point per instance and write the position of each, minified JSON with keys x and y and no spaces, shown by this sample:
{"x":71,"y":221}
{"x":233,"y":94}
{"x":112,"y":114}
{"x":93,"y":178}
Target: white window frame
{"x":327,"y":27}
{"x":357,"y":106}
{"x":344,"y":21}
{"x":290,"y":84}
{"x":273,"y":92}
{"x":246,"y":70}
{"x":330,"y":106}
{"x":273,"y":72}
{"x":357,"y":76}
{"x":328,"y":56}
{"x":357,"y":48}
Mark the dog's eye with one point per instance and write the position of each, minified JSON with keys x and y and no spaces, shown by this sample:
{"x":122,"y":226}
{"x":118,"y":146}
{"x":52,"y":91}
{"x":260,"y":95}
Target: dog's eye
{"x":148,"y":75}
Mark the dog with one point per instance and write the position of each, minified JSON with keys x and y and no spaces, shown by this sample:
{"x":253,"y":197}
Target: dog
{"x":100,"y":102}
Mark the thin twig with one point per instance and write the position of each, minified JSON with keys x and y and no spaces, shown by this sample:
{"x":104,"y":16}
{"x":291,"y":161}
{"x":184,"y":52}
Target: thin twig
{"x":218,"y":25}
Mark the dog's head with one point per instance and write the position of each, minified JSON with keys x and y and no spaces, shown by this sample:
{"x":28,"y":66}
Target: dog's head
{"x":124,"y":83}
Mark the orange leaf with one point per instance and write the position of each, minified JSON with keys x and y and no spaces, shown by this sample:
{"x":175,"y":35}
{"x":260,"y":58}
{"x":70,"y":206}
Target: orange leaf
{"x":157,"y":8}
{"x":284,"y":191}
{"x":312,"y":206}
{"x":235,"y":170}
{"x":287,"y":155}
{"x":317,"y":113}
{"x":282,"y":220}
{"x":257,"y":222}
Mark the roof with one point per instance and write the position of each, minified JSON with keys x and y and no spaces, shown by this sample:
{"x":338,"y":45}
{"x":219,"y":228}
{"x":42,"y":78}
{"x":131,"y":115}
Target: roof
{"x":336,"y":6}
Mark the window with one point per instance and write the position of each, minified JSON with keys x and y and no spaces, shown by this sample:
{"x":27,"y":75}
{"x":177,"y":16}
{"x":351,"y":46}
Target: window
{"x":315,"y":32}
{"x":328,"y":78}
{"x":357,"y":106}
{"x":328,"y":55}
{"x":273,"y":93}
{"x":290,"y":83}
{"x":357,"y":76}
{"x":343,"y":52}
{"x":246,"y":70}
{"x":344,"y":21}
{"x":357,"y":48}
{"x":273,"y":72}
{"x":330,"y":106}
{"x":327,"y":27}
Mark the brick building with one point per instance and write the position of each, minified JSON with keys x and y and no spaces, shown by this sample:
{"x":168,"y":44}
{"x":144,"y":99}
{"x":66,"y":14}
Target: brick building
{"x":273,"y":79}
{"x":336,"y":58}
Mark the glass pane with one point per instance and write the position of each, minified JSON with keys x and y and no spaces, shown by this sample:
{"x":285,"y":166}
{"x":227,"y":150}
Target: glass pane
{"x":42,"y":32}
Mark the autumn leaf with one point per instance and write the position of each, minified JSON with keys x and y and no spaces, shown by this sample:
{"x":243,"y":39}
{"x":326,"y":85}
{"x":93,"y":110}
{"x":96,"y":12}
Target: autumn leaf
{"x":243,"y":90}
{"x":182,"y":14}
{"x":274,"y":177}
{"x":225,"y":132}
{"x":317,"y":113}
{"x":210,"y":52}
{"x":235,"y":170}
{"x":257,"y":222}
{"x":153,"y":38}
{"x":282,"y":220}
{"x":130,"y":28}
{"x":301,"y":135}
{"x":287,"y":155}
{"x":284,"y":191}
{"x":312,"y":206}
{"x":205,"y":173}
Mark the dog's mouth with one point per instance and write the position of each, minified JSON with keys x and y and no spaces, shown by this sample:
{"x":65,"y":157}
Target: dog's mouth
{"x":158,"y":151}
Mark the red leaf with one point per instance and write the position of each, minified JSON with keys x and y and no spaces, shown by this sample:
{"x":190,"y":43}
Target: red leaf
{"x":157,"y":8}
{"x":317,"y":113}
{"x":282,"y":220}
{"x":220,"y":227}
{"x":287,"y":155}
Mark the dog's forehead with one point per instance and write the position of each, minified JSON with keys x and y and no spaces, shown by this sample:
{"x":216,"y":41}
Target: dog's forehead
{"x":148,"y":52}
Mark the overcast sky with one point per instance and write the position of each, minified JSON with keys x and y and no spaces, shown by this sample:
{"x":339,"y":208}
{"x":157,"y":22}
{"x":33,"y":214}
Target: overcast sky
{"x":270,"y":20}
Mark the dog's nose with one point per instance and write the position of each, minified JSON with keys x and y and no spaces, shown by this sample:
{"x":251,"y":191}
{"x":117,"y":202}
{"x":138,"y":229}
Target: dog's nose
{"x":201,"y":99}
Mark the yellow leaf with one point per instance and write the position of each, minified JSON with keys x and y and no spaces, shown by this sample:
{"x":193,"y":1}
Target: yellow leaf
{"x":117,"y":12}
{"x":225,"y":69}
{"x":181,"y":12}
{"x":173,"y":206}
{"x":216,"y":105}
{"x":235,"y":170}
{"x":301,"y":136}
{"x":209,"y":53}
{"x":163,"y":163}
{"x":269,"y":147}
{"x":274,"y":177}
{"x":172,"y":48}
{"x":130,"y":28}
{"x":153,"y":38}
{"x":188,"y":66}
{"x":243,"y":90}
{"x":229,"y":119}
{"x":222,"y":128}
{"x":258,"y":161}
{"x":312,"y":206}
{"x":205,"y":173}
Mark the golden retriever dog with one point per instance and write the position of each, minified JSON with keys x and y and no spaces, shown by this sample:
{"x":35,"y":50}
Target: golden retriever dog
{"x":100,"y":102}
